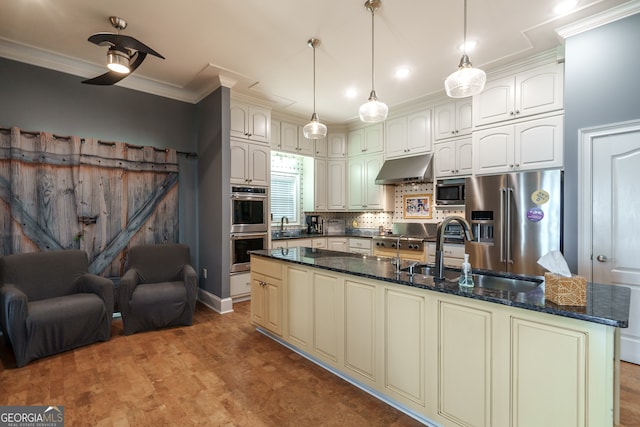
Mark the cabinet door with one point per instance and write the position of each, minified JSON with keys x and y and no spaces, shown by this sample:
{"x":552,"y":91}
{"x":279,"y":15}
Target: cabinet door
{"x":419,"y":132}
{"x":374,"y":138}
{"x":464,"y":117}
{"x":306,"y":147}
{"x":374,"y":197}
{"x":273,"y":303}
{"x":464,"y":157}
{"x":337,"y":146}
{"x":259,"y":124}
{"x":360,"y":330}
{"x":239,"y":115}
{"x":464,"y":362}
{"x":328,"y":325}
{"x":493,"y":150}
{"x":239,"y":159}
{"x":445,"y":159}
{"x":321,"y":147}
{"x":444,"y":121}
{"x":396,"y":137}
{"x":259,"y":165}
{"x":336,"y":185}
{"x":320,"y":185}
{"x":538,"y":144}
{"x":539,"y":90}
{"x":275,"y":135}
{"x":495,"y":103}
{"x":298,"y":308}
{"x":258,"y":302}
{"x":289,"y":137}
{"x":355,"y":145}
{"x":356,"y":184}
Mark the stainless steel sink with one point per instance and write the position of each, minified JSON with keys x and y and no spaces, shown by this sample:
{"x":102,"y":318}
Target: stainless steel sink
{"x":429,"y":270}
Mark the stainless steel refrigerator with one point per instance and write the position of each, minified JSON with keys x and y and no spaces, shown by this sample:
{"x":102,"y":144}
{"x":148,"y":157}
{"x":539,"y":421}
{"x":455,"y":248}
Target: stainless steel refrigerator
{"x":516,"y":218}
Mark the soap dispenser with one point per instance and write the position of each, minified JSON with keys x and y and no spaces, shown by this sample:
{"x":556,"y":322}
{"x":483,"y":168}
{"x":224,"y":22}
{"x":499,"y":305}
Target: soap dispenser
{"x":466,"y":279}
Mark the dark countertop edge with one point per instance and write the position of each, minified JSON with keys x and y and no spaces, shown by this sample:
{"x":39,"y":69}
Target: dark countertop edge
{"x":357,"y":236}
{"x":558,"y":311}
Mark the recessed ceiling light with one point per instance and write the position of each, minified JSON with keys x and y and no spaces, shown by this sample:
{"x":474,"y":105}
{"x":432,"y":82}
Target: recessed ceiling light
{"x":351,"y":93}
{"x":403,"y":72}
{"x":471,"y":44}
{"x":565,"y":7}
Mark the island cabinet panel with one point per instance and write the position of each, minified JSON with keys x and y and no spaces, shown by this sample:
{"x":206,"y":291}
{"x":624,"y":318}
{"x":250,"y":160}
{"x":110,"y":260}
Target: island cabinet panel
{"x":266,"y":294}
{"x":360,"y":329}
{"x":405,"y":345}
{"x":298,"y":301}
{"x":542,"y":354}
{"x":464,"y":364}
{"x":327,"y":316}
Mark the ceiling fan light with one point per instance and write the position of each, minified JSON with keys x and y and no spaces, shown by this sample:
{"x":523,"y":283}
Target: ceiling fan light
{"x":467,"y":81}
{"x":314,"y":129}
{"x":118,"y":61}
{"x":373,"y":111}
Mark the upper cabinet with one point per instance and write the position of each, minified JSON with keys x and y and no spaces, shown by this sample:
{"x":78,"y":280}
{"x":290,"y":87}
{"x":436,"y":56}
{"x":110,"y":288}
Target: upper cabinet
{"x":364,"y":194}
{"x":453,"y":158}
{"x":408,"y":135}
{"x":320,"y":148}
{"x":337,"y":146}
{"x":250,"y":122}
{"x":366,"y":140}
{"x":250,"y":163}
{"x":531,"y":92}
{"x":291,"y":139}
{"x":453,"y":119}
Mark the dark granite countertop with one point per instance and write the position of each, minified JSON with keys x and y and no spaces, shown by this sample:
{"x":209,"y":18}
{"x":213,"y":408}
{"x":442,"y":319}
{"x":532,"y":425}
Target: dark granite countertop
{"x":606,"y":304}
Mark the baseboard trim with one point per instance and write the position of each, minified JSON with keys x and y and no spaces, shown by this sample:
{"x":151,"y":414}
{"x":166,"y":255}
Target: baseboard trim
{"x":214,"y":302}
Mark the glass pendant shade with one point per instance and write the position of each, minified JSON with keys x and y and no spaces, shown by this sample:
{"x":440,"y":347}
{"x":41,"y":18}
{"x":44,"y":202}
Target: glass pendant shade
{"x":118,"y":61}
{"x":467,"y":81}
{"x":373,"y":110}
{"x":314,"y":129}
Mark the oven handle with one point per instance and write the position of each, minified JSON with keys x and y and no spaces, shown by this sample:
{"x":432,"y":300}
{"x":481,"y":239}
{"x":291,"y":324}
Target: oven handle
{"x":239,"y":236}
{"x":248,"y":198}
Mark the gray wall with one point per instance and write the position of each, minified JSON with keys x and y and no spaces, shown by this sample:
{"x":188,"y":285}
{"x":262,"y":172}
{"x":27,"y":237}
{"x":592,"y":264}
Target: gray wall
{"x":601,"y":87}
{"x":37,"y":99}
{"x":214,"y":214}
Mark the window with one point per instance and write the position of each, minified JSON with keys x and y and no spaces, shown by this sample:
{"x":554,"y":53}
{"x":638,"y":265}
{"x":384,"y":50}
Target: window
{"x":285,"y":196}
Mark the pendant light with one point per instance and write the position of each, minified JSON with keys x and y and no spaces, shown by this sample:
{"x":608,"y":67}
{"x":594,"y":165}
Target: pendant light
{"x":314,"y":129}
{"x":373,"y":110}
{"x":467,"y":81}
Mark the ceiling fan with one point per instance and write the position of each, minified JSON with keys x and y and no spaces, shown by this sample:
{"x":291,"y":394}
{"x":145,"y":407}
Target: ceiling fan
{"x":125,"y":53}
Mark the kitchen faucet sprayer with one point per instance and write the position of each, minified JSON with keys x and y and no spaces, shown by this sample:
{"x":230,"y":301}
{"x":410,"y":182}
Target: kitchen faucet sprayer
{"x":440,"y":241}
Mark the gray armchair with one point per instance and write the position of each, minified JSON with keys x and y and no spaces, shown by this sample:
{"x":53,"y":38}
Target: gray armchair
{"x":158,"y":289}
{"x":49,"y":303}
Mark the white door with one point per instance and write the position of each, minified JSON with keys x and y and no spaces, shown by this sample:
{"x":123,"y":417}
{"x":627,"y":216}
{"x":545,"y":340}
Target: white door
{"x":616,"y":223}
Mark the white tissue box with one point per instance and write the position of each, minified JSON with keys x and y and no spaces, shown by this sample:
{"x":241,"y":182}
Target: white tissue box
{"x":565,"y":290}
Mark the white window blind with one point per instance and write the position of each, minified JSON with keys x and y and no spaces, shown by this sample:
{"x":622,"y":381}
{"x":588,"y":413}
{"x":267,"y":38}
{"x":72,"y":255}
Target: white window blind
{"x":285,"y":196}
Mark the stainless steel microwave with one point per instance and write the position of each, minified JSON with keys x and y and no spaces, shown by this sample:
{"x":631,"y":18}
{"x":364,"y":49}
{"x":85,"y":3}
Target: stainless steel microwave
{"x":450,"y":192}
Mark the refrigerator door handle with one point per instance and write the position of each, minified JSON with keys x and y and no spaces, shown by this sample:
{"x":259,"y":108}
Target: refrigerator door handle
{"x":508,"y":196}
{"x":503,"y":192}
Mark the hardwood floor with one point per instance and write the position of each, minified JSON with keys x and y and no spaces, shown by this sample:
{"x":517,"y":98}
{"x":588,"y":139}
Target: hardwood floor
{"x":218,"y":372}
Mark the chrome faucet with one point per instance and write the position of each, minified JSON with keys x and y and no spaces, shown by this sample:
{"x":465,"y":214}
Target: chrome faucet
{"x":282,"y":221}
{"x":440,"y":242}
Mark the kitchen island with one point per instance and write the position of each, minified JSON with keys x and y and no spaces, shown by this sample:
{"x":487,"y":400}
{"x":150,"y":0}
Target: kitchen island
{"x":446,"y":356}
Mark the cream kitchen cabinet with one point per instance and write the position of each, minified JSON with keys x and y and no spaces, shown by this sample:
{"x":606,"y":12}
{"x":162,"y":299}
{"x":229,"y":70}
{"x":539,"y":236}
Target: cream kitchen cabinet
{"x":293,"y":141}
{"x":364,"y":193}
{"x":360,"y":245}
{"x":336,"y":185}
{"x":239,"y":286}
{"x":535,"y":91}
{"x":408,"y":135}
{"x":276,"y":143}
{"x":266,"y":295}
{"x":336,"y":145}
{"x":250,"y":163}
{"x":453,"y":119}
{"x":453,"y":254}
{"x":367,"y":140}
{"x":298,"y":300}
{"x":250,"y":122}
{"x":337,"y":244}
{"x":361,"y":330}
{"x":321,"y":148}
{"x":320,"y":185}
{"x":453,"y":158}
{"x":528,"y":145}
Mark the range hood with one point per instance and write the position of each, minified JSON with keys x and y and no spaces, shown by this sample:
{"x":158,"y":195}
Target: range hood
{"x":406,"y":169}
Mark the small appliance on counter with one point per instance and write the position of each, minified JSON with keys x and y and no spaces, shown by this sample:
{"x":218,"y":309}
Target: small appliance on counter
{"x":314,"y":224}
{"x":335,"y":226}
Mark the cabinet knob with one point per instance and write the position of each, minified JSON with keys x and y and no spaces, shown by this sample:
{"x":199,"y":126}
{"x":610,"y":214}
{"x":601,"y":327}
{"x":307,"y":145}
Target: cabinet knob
{"x":453,"y":132}
{"x":517,"y":111}
{"x":511,"y":113}
{"x":510,"y":166}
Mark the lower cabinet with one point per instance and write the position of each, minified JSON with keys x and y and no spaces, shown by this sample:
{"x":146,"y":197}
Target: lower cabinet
{"x":442,"y":358}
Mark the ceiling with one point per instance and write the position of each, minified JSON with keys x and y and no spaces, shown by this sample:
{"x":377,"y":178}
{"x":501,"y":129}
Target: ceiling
{"x":260,"y":47}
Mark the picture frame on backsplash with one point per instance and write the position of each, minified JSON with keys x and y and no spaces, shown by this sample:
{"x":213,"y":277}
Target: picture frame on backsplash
{"x":417,"y":206}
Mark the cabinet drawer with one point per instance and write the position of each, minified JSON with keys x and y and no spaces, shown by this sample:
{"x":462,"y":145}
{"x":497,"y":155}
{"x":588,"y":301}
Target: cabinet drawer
{"x":240,"y":284}
{"x":359,"y":243}
{"x":268,"y":268}
{"x":319,"y":243}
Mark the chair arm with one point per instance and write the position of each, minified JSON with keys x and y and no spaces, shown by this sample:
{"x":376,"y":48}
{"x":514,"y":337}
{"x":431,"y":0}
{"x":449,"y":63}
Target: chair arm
{"x":191,"y":284}
{"x":128,"y":283}
{"x":14,"y":308}
{"x":101,"y":286}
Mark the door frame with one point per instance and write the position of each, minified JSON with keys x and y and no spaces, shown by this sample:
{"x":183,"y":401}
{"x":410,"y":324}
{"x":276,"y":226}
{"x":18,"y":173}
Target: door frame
{"x":585,"y":176}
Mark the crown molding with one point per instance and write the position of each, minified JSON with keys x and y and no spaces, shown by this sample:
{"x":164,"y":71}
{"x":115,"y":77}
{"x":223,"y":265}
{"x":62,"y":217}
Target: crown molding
{"x":600,"y":19}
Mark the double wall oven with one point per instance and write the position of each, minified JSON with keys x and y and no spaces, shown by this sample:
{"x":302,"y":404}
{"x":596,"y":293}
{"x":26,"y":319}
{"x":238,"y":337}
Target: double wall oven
{"x":249,"y":224}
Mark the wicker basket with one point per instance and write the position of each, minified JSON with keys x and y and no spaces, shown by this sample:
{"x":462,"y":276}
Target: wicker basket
{"x":565,"y":290}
